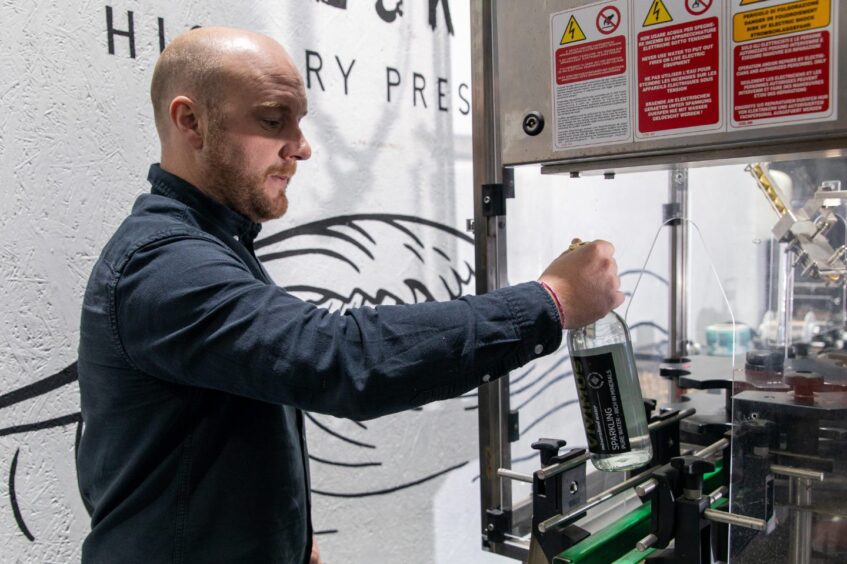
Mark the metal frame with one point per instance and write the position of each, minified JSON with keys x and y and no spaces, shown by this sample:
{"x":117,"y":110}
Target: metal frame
{"x":504,"y":53}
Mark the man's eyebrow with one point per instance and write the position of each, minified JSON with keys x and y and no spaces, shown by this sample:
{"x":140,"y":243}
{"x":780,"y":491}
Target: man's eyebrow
{"x":283,"y":107}
{"x":274,"y":105}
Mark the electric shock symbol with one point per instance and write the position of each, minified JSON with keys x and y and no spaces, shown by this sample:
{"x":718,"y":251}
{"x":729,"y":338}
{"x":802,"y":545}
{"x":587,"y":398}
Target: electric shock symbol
{"x":658,"y":14}
{"x":573,"y":33}
{"x":608,"y":20}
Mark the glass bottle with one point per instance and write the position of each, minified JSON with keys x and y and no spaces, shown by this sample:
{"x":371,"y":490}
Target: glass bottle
{"x":609,"y":395}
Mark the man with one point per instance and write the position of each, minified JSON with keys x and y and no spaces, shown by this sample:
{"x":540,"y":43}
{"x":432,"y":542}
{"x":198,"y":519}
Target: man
{"x":194,"y":366}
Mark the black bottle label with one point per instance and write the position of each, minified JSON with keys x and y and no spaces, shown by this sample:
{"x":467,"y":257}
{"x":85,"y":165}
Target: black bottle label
{"x":600,"y":400}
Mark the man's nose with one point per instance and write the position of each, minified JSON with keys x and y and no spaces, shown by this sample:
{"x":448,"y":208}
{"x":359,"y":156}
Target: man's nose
{"x":297,"y":148}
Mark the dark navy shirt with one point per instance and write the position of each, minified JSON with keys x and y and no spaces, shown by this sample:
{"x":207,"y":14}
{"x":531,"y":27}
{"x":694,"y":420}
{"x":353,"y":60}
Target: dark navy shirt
{"x":194,"y":366}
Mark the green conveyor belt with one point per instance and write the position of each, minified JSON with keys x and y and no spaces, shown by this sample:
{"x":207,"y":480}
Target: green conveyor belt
{"x":616,"y":543}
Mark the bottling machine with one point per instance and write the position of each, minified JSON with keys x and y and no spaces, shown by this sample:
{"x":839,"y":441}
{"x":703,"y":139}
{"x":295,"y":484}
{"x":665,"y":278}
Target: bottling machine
{"x":749,"y":428}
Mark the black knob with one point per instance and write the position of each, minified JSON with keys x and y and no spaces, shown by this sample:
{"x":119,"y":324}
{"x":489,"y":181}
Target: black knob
{"x":533,"y":123}
{"x":765,"y":360}
{"x":649,"y":408}
{"x":549,"y":448}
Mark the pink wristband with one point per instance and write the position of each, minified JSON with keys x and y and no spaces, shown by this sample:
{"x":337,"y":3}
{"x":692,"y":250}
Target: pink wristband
{"x":559,"y":307}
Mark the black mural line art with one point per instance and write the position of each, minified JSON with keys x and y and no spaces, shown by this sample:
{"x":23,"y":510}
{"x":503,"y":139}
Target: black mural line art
{"x":13,"y":498}
{"x":392,"y":489}
{"x":650,"y":273}
{"x":349,"y":244}
{"x":389,"y":15}
{"x":341,"y":4}
{"x":513,"y":392}
{"x":543,"y":388}
{"x":352,"y":248}
{"x":409,"y":233}
{"x":336,"y":434}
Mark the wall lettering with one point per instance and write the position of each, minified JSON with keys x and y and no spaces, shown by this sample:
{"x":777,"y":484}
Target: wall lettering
{"x":112,"y":32}
{"x":433,"y":6}
{"x":418,"y":85}
{"x":315,"y":61}
{"x":390,"y":16}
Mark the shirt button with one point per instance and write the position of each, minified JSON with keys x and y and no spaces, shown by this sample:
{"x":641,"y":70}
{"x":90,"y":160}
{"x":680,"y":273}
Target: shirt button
{"x":539,"y":349}
{"x":486,"y":378}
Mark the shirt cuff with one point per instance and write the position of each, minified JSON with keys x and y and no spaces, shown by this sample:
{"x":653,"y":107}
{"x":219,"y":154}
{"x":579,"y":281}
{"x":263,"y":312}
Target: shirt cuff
{"x":536,"y":319}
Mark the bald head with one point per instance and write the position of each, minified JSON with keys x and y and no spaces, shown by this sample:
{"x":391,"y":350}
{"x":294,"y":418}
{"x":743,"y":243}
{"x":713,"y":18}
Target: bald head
{"x":205,"y":63}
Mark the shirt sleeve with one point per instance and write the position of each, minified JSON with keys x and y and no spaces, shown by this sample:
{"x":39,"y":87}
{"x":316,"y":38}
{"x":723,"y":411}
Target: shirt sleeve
{"x":187,"y":310}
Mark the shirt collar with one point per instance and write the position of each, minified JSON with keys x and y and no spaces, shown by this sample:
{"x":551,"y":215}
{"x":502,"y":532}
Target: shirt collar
{"x":164,"y":183}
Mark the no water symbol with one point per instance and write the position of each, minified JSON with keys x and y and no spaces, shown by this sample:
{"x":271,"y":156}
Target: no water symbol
{"x":608,"y":20}
{"x":697,"y":7}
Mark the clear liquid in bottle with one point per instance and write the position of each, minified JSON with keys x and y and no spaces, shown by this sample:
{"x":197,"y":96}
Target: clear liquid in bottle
{"x":610,"y":395}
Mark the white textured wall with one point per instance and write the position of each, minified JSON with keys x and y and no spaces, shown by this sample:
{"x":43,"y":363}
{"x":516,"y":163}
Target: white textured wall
{"x":76,"y":139}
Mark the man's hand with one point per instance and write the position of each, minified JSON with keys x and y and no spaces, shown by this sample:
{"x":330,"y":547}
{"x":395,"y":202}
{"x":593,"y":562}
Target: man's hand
{"x":586,"y":281}
{"x":315,"y":557}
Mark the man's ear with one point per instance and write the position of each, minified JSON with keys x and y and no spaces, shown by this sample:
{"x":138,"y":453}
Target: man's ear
{"x":185,"y":120}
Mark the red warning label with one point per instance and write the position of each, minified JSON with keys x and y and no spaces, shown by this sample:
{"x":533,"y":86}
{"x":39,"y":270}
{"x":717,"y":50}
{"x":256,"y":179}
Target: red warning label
{"x":678,"y":76}
{"x":782,"y":77}
{"x":588,"y":61}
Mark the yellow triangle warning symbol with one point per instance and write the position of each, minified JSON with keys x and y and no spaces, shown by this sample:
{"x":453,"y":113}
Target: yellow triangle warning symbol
{"x":658,"y":14}
{"x":573,"y":33}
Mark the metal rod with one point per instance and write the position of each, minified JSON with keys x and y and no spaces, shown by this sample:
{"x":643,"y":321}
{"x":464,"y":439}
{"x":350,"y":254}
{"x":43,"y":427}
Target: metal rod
{"x":647,"y":487}
{"x":800,"y":493}
{"x":678,"y":310}
{"x":591,"y":503}
{"x":718,"y":494}
{"x":506,"y":473}
{"x":803,"y":473}
{"x":646,"y":542}
{"x":688,"y":412}
{"x":626,"y":484}
{"x":708,"y":451}
{"x":733,"y":519}
{"x":490,"y":251}
{"x":553,"y":469}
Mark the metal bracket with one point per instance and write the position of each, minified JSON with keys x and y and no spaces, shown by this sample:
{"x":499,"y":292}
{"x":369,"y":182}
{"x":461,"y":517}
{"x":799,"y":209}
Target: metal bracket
{"x":499,"y":522}
{"x":671,"y":211}
{"x":494,"y":195}
{"x":514,"y":426}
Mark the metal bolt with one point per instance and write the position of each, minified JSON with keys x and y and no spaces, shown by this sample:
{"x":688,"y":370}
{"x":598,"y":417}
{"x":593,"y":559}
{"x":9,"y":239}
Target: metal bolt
{"x":574,"y":487}
{"x":533,"y":123}
{"x":486,"y":200}
{"x":646,"y":542}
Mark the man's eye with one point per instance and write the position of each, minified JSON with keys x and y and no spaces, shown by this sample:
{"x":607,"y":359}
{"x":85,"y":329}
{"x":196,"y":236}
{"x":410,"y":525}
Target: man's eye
{"x":271,"y":123}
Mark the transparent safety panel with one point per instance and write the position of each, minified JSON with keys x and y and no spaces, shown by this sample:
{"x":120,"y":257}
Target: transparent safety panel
{"x":543,"y":218}
{"x":764,"y":335}
{"x":789,"y":410}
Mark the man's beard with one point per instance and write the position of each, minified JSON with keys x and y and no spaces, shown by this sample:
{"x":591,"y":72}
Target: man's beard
{"x":242,"y":191}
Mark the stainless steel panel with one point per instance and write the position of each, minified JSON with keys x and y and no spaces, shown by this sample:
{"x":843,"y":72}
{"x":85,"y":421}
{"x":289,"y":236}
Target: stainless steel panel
{"x":524,"y":77}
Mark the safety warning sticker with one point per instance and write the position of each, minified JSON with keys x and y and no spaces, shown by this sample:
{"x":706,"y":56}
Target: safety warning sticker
{"x":591,"y":83}
{"x":783,"y":62}
{"x":679,"y":82}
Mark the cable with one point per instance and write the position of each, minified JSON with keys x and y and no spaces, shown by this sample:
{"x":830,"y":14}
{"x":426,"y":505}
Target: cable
{"x":711,"y":265}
